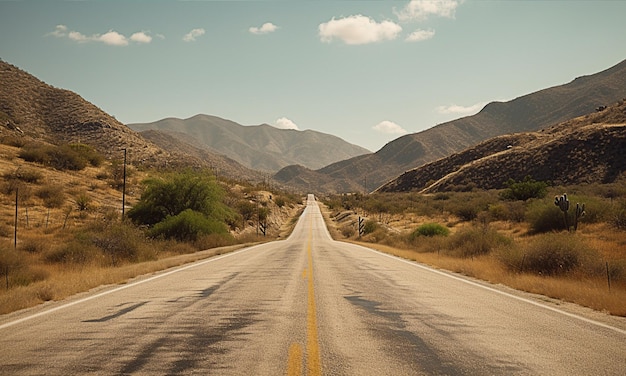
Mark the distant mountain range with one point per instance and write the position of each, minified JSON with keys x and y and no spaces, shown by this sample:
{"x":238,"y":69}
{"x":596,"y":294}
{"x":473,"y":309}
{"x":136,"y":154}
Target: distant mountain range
{"x":260,"y":147}
{"x":483,"y":150}
{"x":527,"y":113}
{"x":587,"y":149}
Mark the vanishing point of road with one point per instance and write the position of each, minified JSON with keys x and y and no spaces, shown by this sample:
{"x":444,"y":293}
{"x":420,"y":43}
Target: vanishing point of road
{"x":310,"y":305}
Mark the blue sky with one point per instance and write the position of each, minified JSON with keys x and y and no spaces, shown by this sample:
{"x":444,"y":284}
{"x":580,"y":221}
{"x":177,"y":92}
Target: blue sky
{"x":366,"y":71}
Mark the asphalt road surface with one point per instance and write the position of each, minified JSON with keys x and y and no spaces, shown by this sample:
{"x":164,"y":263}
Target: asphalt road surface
{"x":309,"y":305}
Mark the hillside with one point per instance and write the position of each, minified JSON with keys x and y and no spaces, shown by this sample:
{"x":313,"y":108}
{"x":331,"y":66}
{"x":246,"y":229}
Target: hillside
{"x":586,"y":149}
{"x":260,"y":147}
{"x":527,"y":113}
{"x":39,"y":111}
{"x":33,"y":110}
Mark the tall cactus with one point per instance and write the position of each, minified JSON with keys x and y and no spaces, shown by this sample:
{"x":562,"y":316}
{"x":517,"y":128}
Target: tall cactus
{"x":580,"y":212}
{"x":563,"y":203}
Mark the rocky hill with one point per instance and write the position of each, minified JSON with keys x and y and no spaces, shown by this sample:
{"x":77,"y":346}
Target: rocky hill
{"x":34,"y":110}
{"x":260,"y":147}
{"x":586,"y":149}
{"x":527,"y":113}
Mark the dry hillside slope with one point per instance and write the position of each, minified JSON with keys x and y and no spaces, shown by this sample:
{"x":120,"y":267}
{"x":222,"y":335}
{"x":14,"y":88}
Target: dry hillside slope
{"x":586,"y":149}
{"x":527,"y":113}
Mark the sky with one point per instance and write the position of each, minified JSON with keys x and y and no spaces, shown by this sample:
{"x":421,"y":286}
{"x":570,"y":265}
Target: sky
{"x":365,"y":71}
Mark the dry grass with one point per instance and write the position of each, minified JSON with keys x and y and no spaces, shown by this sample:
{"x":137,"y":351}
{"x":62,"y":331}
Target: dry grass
{"x":577,"y":287}
{"x":64,"y":281}
{"x":592,"y":293}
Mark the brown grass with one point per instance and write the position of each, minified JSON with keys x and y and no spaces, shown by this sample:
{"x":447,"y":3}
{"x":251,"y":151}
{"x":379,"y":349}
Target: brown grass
{"x":592,"y":293}
{"x":585,"y":290}
{"x":64,"y":282}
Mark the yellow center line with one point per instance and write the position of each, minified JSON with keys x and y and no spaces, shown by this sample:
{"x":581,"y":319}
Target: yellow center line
{"x":313,"y":363}
{"x":294,"y":367}
{"x":312,"y":344}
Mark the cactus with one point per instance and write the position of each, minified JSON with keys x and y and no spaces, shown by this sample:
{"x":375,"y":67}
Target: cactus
{"x":563,"y":203}
{"x":580,"y":212}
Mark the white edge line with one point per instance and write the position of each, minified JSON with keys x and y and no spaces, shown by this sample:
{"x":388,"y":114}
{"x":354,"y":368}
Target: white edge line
{"x":447,"y":274}
{"x":133,"y":284}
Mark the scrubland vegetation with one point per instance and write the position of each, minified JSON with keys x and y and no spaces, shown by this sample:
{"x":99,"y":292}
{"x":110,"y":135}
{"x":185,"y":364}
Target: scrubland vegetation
{"x":71,"y":236}
{"x":516,"y":236}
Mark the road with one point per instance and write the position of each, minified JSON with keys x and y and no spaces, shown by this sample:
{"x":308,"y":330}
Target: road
{"x":309,"y":305}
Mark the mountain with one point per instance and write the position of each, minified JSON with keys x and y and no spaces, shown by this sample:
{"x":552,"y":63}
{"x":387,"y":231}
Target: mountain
{"x":260,"y":147}
{"x":586,"y":149}
{"x":527,"y":113}
{"x":34,"y":110}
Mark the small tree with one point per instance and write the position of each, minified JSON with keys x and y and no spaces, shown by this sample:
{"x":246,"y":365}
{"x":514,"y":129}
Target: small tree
{"x":524,"y":190}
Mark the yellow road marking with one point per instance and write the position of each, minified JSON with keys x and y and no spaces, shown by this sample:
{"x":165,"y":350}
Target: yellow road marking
{"x":312,"y":344}
{"x":313,"y":363}
{"x":294,"y":366}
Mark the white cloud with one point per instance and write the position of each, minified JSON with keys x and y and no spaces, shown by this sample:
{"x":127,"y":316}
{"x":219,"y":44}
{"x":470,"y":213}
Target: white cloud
{"x":266,"y":28}
{"x":422,"y":9}
{"x":193,"y":34}
{"x":284,"y":123}
{"x":358,"y":30}
{"x":78,"y":37}
{"x":112,"y":38}
{"x":389,"y":127}
{"x":60,"y":31}
{"x":420,"y":35}
{"x":141,"y":37}
{"x":461,"y":110}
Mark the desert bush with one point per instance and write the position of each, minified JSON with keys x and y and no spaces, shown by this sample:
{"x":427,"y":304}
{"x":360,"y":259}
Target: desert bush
{"x":618,"y":218}
{"x":83,"y":201}
{"x":87,"y":153}
{"x":213,"y":241}
{"x":53,"y":196}
{"x":524,"y":190}
{"x":26,"y":175}
{"x":348,"y":231}
{"x":14,"y":141}
{"x":35,"y":244}
{"x":429,"y":229}
{"x":370,"y":226}
{"x":119,"y":242}
{"x":11,"y":261}
{"x":476,"y":241}
{"x":65,"y":157}
{"x":555,"y":253}
{"x":77,"y":251}
{"x":467,"y":212}
{"x":189,"y":225}
{"x":543,"y":217}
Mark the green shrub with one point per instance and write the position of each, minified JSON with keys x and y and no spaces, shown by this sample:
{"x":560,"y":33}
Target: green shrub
{"x":187,"y":226}
{"x":543,"y":217}
{"x":555,"y":253}
{"x":476,"y":241}
{"x":429,"y":229}
{"x":370,"y":226}
{"x":177,"y":192}
{"x":524,"y":190}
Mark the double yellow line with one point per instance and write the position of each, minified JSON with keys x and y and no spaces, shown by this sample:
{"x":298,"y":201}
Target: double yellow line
{"x":313,"y":363}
